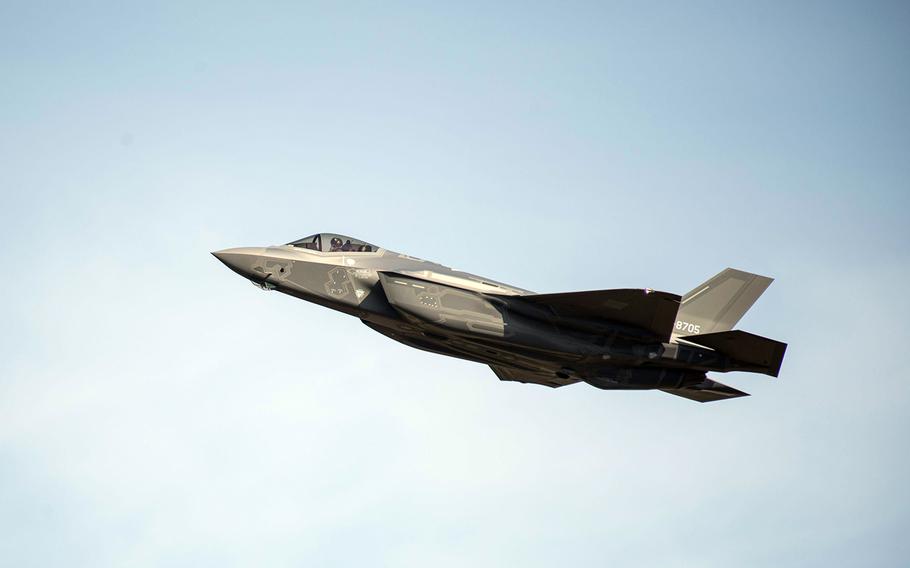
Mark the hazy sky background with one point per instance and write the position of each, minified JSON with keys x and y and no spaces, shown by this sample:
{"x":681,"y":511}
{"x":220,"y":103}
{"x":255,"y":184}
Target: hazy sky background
{"x":157,"y":410}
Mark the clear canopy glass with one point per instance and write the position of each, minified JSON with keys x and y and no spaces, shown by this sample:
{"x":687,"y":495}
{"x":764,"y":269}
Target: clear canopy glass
{"x":331,"y":242}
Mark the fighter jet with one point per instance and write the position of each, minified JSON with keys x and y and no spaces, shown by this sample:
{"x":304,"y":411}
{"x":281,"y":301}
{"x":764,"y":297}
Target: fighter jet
{"x":624,"y":339}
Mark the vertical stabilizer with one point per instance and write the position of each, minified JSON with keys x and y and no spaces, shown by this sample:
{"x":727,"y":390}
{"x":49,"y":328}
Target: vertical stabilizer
{"x":719,"y":303}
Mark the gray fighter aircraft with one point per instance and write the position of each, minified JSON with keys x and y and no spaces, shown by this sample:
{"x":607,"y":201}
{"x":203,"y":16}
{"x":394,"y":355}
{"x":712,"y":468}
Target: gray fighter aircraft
{"x":611,"y":339}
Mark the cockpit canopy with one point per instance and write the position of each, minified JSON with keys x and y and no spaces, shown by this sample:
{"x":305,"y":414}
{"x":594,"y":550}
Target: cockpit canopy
{"x":330,"y":242}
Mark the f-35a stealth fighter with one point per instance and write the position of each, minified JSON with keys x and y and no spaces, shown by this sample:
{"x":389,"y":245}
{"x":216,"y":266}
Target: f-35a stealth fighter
{"x":611,"y":339}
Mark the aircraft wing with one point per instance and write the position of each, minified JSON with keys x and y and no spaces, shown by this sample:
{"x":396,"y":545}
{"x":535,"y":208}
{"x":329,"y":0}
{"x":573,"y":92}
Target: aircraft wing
{"x":707,"y":391}
{"x":652,"y":311}
{"x":524,"y":376}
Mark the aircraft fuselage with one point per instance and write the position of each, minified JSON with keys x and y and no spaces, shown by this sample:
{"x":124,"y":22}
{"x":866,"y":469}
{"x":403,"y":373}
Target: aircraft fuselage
{"x":521,"y":335}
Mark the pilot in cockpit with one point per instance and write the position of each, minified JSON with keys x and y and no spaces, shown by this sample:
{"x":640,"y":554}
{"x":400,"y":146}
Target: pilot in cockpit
{"x":336,"y":245}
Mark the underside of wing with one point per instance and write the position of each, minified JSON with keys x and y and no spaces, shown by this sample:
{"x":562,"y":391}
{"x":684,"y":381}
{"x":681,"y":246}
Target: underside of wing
{"x":654,"y":312}
{"x":524,"y":376}
{"x":707,"y":391}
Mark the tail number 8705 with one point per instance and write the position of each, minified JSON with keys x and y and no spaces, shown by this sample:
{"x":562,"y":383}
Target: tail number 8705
{"x":687,"y":327}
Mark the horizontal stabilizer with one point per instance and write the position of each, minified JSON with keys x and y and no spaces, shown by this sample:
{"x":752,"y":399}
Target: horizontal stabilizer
{"x":645,"y":309}
{"x":707,"y":391}
{"x":766,"y":355}
{"x":524,"y":376}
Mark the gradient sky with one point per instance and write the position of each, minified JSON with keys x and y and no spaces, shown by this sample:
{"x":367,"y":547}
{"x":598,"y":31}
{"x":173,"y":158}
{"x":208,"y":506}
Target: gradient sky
{"x":157,"y":410}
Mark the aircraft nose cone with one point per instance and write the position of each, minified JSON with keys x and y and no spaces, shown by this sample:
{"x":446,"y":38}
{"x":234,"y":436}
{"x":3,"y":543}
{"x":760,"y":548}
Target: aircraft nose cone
{"x":241,"y":260}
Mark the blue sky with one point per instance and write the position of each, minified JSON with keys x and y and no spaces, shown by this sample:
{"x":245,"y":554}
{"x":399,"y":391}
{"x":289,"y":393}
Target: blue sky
{"x":156,"y":410}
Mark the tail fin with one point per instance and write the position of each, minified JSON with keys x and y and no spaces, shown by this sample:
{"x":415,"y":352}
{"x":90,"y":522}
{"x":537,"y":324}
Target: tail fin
{"x":719,"y":303}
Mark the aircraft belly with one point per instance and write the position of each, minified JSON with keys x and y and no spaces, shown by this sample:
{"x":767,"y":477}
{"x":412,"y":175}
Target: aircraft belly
{"x":478,"y":349}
